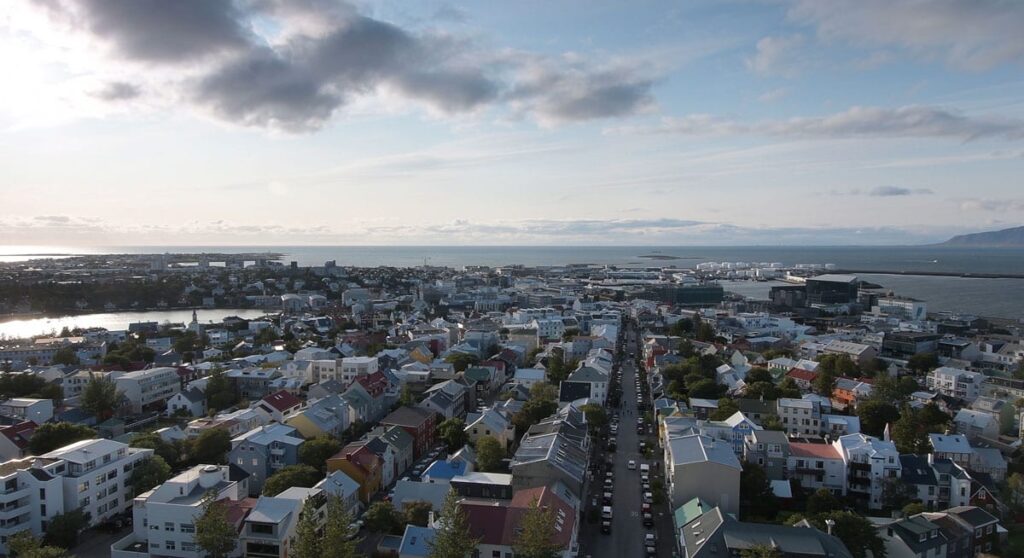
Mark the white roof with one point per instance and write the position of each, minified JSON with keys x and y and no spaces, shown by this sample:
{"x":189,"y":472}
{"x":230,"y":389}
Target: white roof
{"x":950,"y":443}
{"x":86,"y":450}
{"x":699,"y":449}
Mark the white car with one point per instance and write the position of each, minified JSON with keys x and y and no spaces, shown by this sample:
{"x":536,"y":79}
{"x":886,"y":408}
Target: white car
{"x":631,"y":465}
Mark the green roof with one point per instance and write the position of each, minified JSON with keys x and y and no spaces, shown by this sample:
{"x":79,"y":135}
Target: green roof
{"x":690,"y":511}
{"x":479,"y":374}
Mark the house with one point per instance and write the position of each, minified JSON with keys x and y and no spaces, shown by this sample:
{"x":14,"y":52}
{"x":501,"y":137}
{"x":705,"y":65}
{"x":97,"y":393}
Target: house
{"x":804,"y":378}
{"x":14,"y":439}
{"x":361,"y":465}
{"x":444,"y":470}
{"x":281,"y":405}
{"x":770,"y":450}
{"x":542,"y":459}
{"x":252,"y":383}
{"x":496,"y":524}
{"x":190,"y":402}
{"x":407,"y":492}
{"x":699,"y":467}
{"x":329,"y":416}
{"x":530,"y":376}
{"x":164,"y":518}
{"x":268,"y":530}
{"x":262,"y":451}
{"x":486,"y":378}
{"x":418,"y":422}
{"x":387,"y":455}
{"x":912,"y":537}
{"x":483,"y":485}
{"x":716,"y":533}
{"x":354,"y":367}
{"x":953,"y":447}
{"x":917,"y":473}
{"x":586,"y":382}
{"x":870,"y":463}
{"x":955,"y":382}
{"x":976,"y":425}
{"x":416,"y":541}
{"x":343,"y":486}
{"x":860,"y":353}
{"x":816,"y":466}
{"x":848,"y":391}
{"x":20,"y":409}
{"x":447,"y":399}
{"x":983,"y":526}
{"x":402,"y":444}
{"x":149,"y":389}
{"x":492,"y":423}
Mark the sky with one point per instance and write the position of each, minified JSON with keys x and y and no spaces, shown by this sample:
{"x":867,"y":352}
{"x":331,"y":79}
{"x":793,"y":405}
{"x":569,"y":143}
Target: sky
{"x":704,"y":122}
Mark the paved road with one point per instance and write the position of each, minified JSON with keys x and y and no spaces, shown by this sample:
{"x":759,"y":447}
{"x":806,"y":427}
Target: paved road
{"x":627,"y":536}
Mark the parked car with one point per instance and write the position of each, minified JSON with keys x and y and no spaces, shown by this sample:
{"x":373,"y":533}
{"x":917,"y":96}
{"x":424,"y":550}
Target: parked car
{"x":648,"y":520}
{"x":631,"y":465}
{"x":606,"y":526}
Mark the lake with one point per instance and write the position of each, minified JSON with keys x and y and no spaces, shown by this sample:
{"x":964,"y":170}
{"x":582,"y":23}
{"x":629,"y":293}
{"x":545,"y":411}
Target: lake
{"x":117,"y":320}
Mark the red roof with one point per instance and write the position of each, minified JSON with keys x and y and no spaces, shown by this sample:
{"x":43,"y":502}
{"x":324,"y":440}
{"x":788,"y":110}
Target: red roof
{"x":282,"y":401}
{"x":20,"y":433}
{"x":801,"y":374}
{"x":487,"y":519}
{"x":375,"y":383}
{"x":496,"y":522}
{"x":816,"y":451}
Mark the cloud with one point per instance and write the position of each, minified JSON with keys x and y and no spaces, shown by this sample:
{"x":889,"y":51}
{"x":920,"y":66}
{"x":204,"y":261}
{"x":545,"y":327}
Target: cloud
{"x":773,"y":95}
{"x":118,"y":91}
{"x":889,"y":191}
{"x":157,"y":30}
{"x":991,"y":205}
{"x":778,"y":56}
{"x":291,"y":65}
{"x":856,"y":122}
{"x":969,"y":34}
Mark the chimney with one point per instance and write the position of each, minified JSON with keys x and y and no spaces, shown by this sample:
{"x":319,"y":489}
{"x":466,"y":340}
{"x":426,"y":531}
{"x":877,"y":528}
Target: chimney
{"x":829,"y":524}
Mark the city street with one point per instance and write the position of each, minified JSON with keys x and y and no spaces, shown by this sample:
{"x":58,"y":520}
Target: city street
{"x":628,"y":531}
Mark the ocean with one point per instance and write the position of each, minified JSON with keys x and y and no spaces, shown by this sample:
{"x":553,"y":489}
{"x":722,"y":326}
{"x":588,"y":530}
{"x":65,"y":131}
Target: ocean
{"x":988,"y":297}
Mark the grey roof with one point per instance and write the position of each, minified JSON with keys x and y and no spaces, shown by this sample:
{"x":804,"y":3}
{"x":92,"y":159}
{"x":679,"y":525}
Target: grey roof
{"x":917,"y":470}
{"x":977,"y":517}
{"x":700,"y":449}
{"x":770,"y":437}
{"x":554,"y":449}
{"x":715,"y":534}
{"x":587,"y":374}
{"x":411,"y":491}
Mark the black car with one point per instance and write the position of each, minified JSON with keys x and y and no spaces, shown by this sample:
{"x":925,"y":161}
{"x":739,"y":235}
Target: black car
{"x":648,"y":520}
{"x":606,"y":526}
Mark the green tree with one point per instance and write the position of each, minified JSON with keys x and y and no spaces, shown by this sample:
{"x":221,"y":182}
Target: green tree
{"x":824,"y":383}
{"x":1013,"y":493}
{"x":149,"y":474}
{"x":704,"y":389}
{"x":541,"y":404}
{"x":1007,"y":420}
{"x":909,"y":433}
{"x":338,"y":540}
{"x":838,"y":365}
{"x":758,"y":374}
{"x":210,"y":447}
{"x":772,"y":422}
{"x":923,"y":362}
{"x":823,"y":501}
{"x":762,"y":390}
{"x":681,"y":328}
{"x":756,"y":497}
{"x":874,"y":415}
{"x":453,"y":432}
{"x":24,"y":545}
{"x":536,"y":533}
{"x":489,"y":454}
{"x":307,"y":543}
{"x":53,"y":435}
{"x":151,"y":440}
{"x":66,"y":356}
{"x":705,"y":332}
{"x":219,"y":393}
{"x":858,"y":534}
{"x":788,"y":388}
{"x":452,"y":538}
{"x":63,"y":528}
{"x":292,"y":475}
{"x":726,"y":408}
{"x":462,"y":361}
{"x":913,"y":508}
{"x":101,"y":397}
{"x":214,"y":533}
{"x":597,"y":417}
{"x":418,"y":513}
{"x":317,"y":451}
{"x":383,"y":518}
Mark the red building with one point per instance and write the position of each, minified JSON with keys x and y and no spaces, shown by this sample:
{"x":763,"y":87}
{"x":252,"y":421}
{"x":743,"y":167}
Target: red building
{"x":419,"y":423}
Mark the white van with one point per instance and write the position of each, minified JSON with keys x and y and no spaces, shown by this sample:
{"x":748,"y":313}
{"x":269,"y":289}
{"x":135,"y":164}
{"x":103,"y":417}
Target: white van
{"x":606,"y":512}
{"x":645,"y":468}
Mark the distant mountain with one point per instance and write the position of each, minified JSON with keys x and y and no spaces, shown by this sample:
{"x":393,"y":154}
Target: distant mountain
{"x":1006,"y":238}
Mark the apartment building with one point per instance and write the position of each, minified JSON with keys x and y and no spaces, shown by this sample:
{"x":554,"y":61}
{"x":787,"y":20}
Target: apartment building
{"x":31,"y":493}
{"x":262,"y":451}
{"x":149,"y":389}
{"x":25,"y":408}
{"x":955,"y":382}
{"x":268,"y":530}
{"x":870,"y":463}
{"x":354,"y":367}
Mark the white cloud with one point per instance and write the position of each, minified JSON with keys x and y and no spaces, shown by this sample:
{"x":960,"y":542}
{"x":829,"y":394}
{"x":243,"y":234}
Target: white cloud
{"x":778,"y":56}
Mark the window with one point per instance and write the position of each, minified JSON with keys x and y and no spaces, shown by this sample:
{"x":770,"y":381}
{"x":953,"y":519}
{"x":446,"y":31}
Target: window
{"x":187,"y":546}
{"x":169,"y":545}
{"x":188,"y":528}
{"x":83,"y":487}
{"x":42,"y":493}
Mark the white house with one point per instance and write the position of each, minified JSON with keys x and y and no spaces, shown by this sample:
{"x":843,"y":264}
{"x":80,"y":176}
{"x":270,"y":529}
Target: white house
{"x":191,"y":401}
{"x":870,"y":464}
{"x":25,"y":408}
{"x":145,"y":388}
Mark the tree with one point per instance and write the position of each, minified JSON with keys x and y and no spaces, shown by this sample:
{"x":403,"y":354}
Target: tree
{"x":756,"y":497}
{"x":874,"y":415}
{"x":63,"y":528}
{"x":726,"y":408}
{"x":923,"y":362}
{"x":824,"y":382}
{"x":758,"y":374}
{"x":407,"y":399}
{"x":705,"y":332}
{"x":150,"y":473}
{"x":151,"y":440}
{"x":214,"y":533}
{"x":761,"y":551}
{"x":858,"y":534}
{"x":211,"y":447}
{"x":489,"y":453}
{"x":913,"y":508}
{"x":1013,"y":494}
{"x":53,"y":435}
{"x":462,"y":361}
{"x":597,"y":417}
{"x":896,"y":493}
{"x":317,"y":451}
{"x":762,"y":390}
{"x":287,"y":477}
{"x":909,"y":434}
{"x":838,"y":365}
{"x":788,"y":388}
{"x":66,"y":356}
{"x":383,"y":518}
{"x":219,"y":393}
{"x":418,"y":513}
{"x":772,"y":422}
{"x":453,"y":432}
{"x":24,"y":545}
{"x":681,"y":328}
{"x":541,"y":404}
{"x":452,"y":538}
{"x":823,"y":501}
{"x":704,"y":389}
{"x":1007,"y":419}
{"x":338,"y":541}
{"x":307,"y":543}
{"x":536,"y":533}
{"x":101,"y":397}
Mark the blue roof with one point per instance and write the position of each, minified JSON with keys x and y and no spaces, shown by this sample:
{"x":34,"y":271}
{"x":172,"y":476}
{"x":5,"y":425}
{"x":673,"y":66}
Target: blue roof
{"x":416,"y":541}
{"x":446,"y":470}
